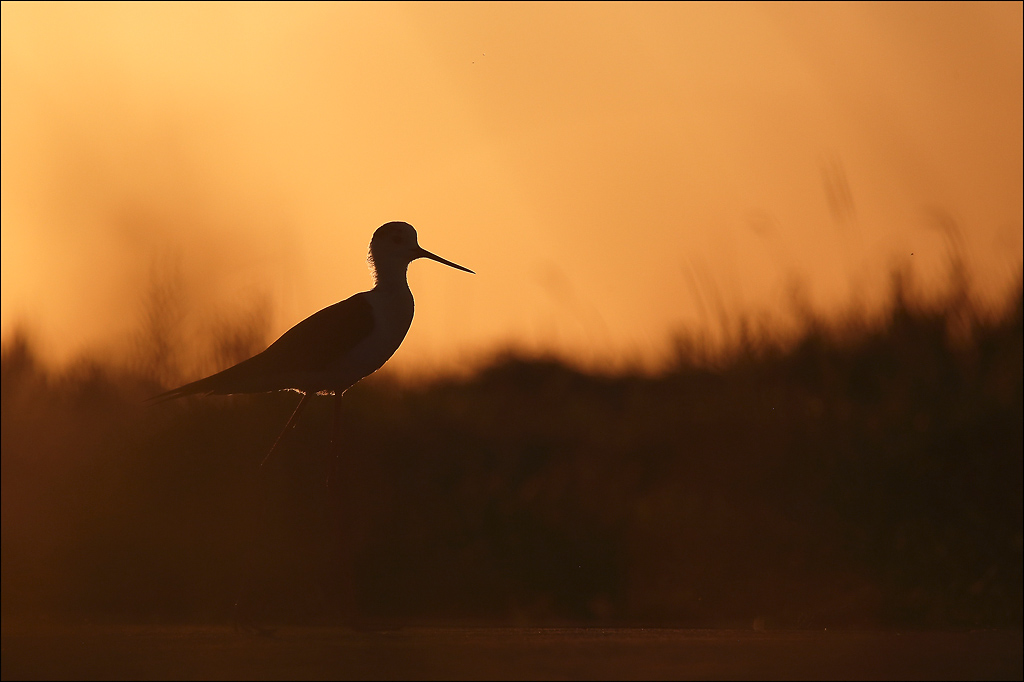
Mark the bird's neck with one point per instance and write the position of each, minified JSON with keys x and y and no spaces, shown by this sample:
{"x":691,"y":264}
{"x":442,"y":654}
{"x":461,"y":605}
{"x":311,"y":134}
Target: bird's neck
{"x":392,"y":278}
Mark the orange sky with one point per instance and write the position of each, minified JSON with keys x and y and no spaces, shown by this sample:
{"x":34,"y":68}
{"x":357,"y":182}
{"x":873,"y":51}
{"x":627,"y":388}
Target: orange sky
{"x":615,"y":173}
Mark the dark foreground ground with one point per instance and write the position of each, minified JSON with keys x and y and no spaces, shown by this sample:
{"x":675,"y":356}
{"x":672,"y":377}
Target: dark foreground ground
{"x":504,"y":653}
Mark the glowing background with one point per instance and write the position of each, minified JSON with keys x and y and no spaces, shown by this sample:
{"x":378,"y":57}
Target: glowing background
{"x":615,"y":173}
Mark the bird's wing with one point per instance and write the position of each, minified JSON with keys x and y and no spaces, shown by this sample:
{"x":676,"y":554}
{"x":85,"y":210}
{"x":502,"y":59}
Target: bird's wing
{"x":310,"y":346}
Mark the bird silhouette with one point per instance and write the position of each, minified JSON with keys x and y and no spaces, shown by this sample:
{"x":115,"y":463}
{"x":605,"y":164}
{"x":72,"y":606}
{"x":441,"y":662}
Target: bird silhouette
{"x":331,"y":350}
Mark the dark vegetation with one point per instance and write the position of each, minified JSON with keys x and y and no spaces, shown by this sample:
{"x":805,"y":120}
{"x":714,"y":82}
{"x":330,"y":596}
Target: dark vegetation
{"x":865,"y":475}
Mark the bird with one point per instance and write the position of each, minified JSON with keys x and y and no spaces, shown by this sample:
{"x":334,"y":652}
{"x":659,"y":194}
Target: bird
{"x":333,"y":349}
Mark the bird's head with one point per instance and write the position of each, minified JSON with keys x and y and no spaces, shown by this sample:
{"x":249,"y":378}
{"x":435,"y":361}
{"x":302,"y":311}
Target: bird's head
{"x":394,"y":246}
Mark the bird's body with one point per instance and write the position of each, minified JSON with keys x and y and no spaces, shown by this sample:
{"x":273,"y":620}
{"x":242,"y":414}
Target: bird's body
{"x":328,"y":352}
{"x":332,"y":349}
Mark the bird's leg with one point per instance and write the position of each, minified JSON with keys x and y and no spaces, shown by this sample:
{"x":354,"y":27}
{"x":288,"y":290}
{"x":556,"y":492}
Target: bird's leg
{"x":341,"y":581}
{"x":335,"y":454}
{"x":244,"y":619}
{"x":287,"y":427}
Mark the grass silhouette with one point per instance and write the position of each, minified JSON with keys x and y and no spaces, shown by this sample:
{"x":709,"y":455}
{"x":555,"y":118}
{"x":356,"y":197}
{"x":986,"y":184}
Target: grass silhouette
{"x":862,"y":475}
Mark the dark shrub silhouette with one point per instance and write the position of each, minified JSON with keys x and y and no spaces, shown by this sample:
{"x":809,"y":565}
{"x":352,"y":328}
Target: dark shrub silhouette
{"x":864,"y":475}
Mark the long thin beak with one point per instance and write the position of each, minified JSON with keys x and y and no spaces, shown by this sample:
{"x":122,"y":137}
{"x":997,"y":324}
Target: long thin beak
{"x":423,"y":253}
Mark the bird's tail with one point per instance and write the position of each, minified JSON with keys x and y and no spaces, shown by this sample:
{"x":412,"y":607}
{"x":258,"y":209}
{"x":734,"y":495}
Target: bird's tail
{"x":235,"y":379}
{"x":200,"y":387}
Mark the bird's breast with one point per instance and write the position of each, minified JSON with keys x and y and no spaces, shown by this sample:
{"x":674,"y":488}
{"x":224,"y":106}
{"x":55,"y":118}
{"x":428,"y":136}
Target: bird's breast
{"x":392,"y":317}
